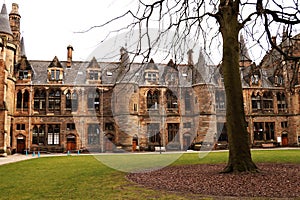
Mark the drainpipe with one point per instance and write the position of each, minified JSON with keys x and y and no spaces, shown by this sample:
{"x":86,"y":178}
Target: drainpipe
{"x":29,"y":115}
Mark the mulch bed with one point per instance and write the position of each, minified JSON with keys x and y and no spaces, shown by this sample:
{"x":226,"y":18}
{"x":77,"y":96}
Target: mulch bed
{"x":274,"y":181}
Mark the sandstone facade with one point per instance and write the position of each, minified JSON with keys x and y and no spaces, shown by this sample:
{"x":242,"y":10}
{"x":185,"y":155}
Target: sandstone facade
{"x":56,"y":106}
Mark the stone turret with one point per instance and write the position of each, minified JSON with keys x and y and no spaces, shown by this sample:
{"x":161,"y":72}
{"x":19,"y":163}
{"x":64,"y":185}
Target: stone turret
{"x":245,"y":60}
{"x":14,"y":20}
{"x":4,"y":22}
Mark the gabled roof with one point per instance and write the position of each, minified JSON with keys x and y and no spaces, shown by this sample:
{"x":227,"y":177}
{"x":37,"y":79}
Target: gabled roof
{"x":151,"y":65}
{"x":244,"y":55}
{"x":55,"y":63}
{"x":23,"y":64}
{"x":94,"y":64}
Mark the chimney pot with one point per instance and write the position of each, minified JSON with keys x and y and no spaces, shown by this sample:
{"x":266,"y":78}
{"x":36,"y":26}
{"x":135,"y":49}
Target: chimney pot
{"x":69,"y":56}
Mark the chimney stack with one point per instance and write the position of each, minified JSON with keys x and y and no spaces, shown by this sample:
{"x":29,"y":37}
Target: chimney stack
{"x":69,"y":56}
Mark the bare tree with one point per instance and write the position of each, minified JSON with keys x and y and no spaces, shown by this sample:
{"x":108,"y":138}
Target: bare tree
{"x":217,"y":23}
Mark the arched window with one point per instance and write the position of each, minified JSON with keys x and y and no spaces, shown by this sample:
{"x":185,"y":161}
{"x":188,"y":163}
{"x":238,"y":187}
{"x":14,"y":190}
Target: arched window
{"x":25,"y":100}
{"x":93,"y":134}
{"x":39,"y":100}
{"x":94,"y":100}
{"x":171,"y":100}
{"x":187,"y":101}
{"x":68,"y":101}
{"x":281,"y":102}
{"x":74,"y":101}
{"x":152,"y":99}
{"x":19,"y":100}
{"x":54,"y":100}
{"x":268,"y":101}
{"x":256,"y":102}
{"x":173,"y":135}
{"x":220,"y":100}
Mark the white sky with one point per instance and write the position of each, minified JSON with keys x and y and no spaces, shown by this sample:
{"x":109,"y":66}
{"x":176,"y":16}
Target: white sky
{"x":48,"y":26}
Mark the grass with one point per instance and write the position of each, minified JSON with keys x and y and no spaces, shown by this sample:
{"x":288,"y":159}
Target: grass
{"x":84,"y":177}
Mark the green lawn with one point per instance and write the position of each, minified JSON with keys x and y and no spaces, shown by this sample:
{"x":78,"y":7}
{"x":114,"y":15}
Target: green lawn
{"x":84,"y":177}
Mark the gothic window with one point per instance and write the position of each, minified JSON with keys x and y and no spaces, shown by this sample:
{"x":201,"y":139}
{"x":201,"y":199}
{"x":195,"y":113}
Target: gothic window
{"x":38,"y":135}
{"x":93,"y":134}
{"x":220,"y":100}
{"x":54,"y":100}
{"x":187,"y":101}
{"x":71,"y":101}
{"x":269,"y":130}
{"x":268,"y":101}
{"x":25,"y":100}
{"x":68,"y":101}
{"x":173,"y":135}
{"x":153,"y":133}
{"x":39,"y":100}
{"x":281,"y":102}
{"x":53,"y":134}
{"x":19,"y":100}
{"x":94,"y":100}
{"x":171,"y":100}
{"x":152,"y":99}
{"x":256,"y":102}
{"x":74,"y":101}
{"x":258,"y":131}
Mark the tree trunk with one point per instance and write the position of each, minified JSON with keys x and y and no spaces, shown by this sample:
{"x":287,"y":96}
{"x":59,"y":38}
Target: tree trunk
{"x":239,"y":148}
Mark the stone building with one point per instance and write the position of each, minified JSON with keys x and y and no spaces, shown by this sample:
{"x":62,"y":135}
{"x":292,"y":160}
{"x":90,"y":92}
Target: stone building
{"x":56,"y":105}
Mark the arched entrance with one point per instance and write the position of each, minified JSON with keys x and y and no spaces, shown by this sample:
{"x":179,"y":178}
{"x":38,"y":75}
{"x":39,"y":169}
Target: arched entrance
{"x":284,"y":139}
{"x":135,"y":142}
{"x":108,"y":142}
{"x":21,"y":143}
{"x":187,"y":140}
{"x":71,"y":142}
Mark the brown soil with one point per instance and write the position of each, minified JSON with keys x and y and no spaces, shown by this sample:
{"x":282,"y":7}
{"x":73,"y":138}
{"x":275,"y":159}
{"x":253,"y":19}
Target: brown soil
{"x":273,"y":181}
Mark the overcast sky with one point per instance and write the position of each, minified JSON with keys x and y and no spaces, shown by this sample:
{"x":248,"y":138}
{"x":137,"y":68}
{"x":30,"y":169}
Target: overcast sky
{"x":48,"y":27}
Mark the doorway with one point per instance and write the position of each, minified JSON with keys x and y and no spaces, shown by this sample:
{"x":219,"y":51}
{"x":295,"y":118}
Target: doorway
{"x":71,"y":142}
{"x":284,"y":140}
{"x":135,"y":143}
{"x":21,"y":144}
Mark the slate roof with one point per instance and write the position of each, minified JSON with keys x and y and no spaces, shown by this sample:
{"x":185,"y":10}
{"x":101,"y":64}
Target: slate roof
{"x":4,"y":21}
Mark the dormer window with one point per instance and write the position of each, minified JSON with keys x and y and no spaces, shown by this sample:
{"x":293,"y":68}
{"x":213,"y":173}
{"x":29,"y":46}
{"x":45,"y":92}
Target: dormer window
{"x":151,"y":76}
{"x":55,"y":75}
{"x":23,"y":74}
{"x":279,"y":80}
{"x":255,"y":79}
{"x":55,"y":71}
{"x":108,"y":73}
{"x":93,"y":75}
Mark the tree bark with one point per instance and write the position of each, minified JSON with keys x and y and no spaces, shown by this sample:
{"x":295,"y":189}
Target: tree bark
{"x":238,"y":138}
